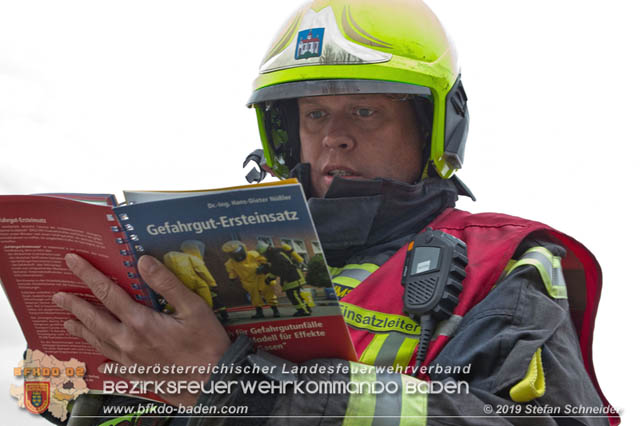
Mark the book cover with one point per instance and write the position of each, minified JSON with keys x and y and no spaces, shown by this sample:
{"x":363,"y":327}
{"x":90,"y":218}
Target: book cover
{"x":218,"y":222}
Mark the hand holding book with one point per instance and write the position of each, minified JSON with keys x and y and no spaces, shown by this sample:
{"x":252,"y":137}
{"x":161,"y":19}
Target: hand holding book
{"x":131,"y":333}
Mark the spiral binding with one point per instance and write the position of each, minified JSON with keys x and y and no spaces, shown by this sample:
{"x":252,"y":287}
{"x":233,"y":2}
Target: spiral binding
{"x":123,"y":237}
{"x":121,"y":240}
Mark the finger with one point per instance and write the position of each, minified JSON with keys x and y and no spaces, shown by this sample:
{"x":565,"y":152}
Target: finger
{"x":163,"y":281}
{"x":109,"y":293}
{"x":93,"y":318}
{"x":77,"y":329}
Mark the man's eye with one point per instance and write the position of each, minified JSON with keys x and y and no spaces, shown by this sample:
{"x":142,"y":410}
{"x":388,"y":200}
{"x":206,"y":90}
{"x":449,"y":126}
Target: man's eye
{"x":315,"y":115}
{"x":364,"y":112}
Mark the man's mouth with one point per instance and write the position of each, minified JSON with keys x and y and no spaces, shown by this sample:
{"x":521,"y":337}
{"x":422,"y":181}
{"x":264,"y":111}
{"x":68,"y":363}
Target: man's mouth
{"x":339,"y":170}
{"x":341,"y":173}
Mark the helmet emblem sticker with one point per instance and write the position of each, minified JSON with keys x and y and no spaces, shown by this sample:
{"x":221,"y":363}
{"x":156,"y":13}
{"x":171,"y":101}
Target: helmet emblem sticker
{"x":309,"y":43}
{"x":316,"y":39}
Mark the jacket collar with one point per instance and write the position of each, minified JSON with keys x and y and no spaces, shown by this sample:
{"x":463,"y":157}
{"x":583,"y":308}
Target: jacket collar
{"x":369,"y":219}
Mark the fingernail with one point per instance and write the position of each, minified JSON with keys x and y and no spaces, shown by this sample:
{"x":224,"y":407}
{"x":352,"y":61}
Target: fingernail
{"x":71,"y":260}
{"x":57,"y":299}
{"x":67,"y":325}
{"x":148,"y":264}
{"x":101,"y":368}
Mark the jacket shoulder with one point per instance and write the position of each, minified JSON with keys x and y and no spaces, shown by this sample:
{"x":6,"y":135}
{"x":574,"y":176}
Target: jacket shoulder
{"x":460,"y":219}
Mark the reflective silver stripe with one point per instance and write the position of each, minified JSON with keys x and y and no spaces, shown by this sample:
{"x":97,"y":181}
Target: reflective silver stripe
{"x":353,"y":274}
{"x":356,"y":274}
{"x":346,"y":282}
{"x":371,"y":267}
{"x":389,"y":350}
{"x":558,"y":276}
{"x":448,"y":327}
{"x":549,"y":267}
{"x":540,"y":257}
{"x":388,"y":404}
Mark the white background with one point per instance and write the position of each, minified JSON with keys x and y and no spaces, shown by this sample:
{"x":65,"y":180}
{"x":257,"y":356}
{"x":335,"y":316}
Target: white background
{"x":104,"y":96}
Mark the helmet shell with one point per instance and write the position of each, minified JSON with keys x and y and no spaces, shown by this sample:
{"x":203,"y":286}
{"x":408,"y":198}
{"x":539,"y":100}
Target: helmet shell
{"x":363,"y":46}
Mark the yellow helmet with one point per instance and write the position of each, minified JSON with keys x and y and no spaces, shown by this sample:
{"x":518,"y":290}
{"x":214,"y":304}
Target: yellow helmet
{"x":331,"y":47}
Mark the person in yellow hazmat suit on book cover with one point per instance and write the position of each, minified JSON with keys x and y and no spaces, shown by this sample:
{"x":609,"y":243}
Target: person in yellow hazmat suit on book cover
{"x":188,"y":265}
{"x":244,"y":265}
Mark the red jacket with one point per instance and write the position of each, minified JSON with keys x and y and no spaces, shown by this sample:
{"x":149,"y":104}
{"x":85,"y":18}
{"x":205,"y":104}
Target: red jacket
{"x":491,"y":240}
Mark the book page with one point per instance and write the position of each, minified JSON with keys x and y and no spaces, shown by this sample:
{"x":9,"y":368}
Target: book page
{"x":35,"y":234}
{"x":137,"y":197}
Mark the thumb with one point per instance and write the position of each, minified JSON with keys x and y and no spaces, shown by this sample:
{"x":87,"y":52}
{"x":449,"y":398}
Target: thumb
{"x":164,"y":282}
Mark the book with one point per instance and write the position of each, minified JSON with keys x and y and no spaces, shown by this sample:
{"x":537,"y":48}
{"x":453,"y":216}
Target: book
{"x":36,"y":231}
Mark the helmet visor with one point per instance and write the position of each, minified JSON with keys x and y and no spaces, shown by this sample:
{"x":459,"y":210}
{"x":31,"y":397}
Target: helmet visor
{"x":238,"y":254}
{"x":300,"y":89}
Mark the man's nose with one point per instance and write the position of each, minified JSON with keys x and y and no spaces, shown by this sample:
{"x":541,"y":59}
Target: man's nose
{"x":339,"y":135}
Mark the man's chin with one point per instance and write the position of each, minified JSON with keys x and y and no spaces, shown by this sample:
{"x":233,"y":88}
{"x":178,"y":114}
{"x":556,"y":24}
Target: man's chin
{"x":325,"y":184}
{"x":327,"y":180}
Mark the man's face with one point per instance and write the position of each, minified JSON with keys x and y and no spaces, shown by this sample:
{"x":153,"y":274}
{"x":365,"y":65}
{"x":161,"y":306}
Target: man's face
{"x":359,"y":136}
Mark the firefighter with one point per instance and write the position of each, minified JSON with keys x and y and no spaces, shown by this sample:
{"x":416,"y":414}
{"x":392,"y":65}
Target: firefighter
{"x":293,"y":255}
{"x":282,"y":265}
{"x":363,"y":102}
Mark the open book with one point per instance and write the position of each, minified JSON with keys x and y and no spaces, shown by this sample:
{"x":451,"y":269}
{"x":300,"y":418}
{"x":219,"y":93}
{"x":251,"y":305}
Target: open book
{"x":204,"y":229}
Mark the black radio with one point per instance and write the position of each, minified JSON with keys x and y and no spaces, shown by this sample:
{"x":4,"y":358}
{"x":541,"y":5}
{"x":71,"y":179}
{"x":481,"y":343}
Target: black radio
{"x":432,"y":280}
